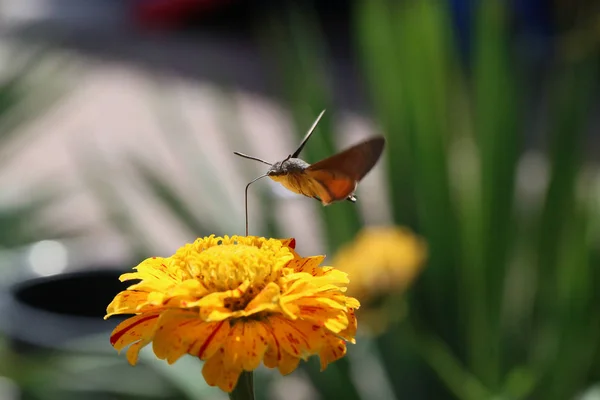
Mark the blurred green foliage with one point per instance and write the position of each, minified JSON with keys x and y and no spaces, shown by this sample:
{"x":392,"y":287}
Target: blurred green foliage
{"x":28,"y":88}
{"x":507,"y":307}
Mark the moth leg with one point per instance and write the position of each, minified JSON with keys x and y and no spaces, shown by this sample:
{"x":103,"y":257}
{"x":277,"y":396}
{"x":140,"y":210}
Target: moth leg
{"x":352,"y":198}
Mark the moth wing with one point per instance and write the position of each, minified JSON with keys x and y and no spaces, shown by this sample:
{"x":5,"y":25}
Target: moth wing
{"x":330,"y":186}
{"x":308,"y":135}
{"x":354,"y":162}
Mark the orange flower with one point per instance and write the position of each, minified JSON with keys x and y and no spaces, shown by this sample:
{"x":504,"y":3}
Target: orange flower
{"x":235,"y":302}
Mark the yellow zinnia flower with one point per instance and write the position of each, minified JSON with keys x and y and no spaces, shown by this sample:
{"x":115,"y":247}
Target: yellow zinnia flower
{"x":381,"y":261}
{"x":234,"y":302}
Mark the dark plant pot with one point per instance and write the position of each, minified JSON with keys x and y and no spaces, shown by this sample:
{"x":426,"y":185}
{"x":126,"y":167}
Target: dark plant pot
{"x":49,"y":312}
{"x":48,"y":315}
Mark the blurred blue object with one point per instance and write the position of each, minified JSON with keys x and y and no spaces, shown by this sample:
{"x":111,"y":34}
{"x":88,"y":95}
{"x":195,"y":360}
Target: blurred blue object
{"x":533,"y":24}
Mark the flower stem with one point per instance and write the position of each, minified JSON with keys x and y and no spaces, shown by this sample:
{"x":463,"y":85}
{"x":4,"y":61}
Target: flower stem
{"x":244,"y":390}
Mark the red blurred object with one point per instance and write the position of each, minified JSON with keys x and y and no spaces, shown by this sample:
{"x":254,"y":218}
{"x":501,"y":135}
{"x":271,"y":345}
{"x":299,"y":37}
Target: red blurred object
{"x":172,"y":14}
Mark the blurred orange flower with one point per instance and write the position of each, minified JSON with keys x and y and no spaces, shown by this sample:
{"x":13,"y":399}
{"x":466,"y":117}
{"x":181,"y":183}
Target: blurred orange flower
{"x":234,"y":302}
{"x":380,"y":261}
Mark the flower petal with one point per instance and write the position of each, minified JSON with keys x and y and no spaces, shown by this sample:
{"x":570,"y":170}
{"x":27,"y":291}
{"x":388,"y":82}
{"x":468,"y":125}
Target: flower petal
{"x":126,"y":302}
{"x":351,"y":302}
{"x":213,"y":306}
{"x":216,"y":374}
{"x":288,"y":364}
{"x":173,"y":336}
{"x":298,"y":338}
{"x":274,"y":353}
{"x":245,"y":345}
{"x":134,"y":350}
{"x":155,"y":273}
{"x":350,"y":332}
{"x":290,"y":242}
{"x":332,"y":351}
{"x":303,"y":284}
{"x":309,"y":265}
{"x":267,"y":299}
{"x":209,"y":338}
{"x":133,"y":329}
{"x":333,"y":319}
{"x":192,"y":288}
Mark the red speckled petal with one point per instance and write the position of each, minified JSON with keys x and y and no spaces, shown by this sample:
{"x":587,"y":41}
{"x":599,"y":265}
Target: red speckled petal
{"x":334,"y":350}
{"x":133,"y":329}
{"x":210,"y":338}
{"x":298,"y":338}
{"x":134,"y":351}
{"x":216,"y":374}
{"x":309,"y":265}
{"x":288,"y":364}
{"x":290,"y":242}
{"x":245,"y":345}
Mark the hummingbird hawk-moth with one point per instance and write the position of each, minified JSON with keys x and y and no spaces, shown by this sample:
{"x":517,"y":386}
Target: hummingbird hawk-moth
{"x":332,"y":179}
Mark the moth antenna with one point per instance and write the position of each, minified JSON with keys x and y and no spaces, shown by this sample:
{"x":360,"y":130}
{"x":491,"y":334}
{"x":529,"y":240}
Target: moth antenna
{"x":237,"y":153}
{"x":246,"y":198}
{"x":310,"y":132}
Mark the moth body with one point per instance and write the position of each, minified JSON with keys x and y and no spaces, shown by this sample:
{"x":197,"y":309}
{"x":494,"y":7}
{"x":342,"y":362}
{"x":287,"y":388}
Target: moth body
{"x":289,"y":166}
{"x":292,"y":174}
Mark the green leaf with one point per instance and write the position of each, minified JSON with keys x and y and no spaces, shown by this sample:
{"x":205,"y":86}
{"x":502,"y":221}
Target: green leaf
{"x":381,"y":62}
{"x":301,"y":51}
{"x":497,"y":133}
{"x":426,"y":65}
{"x":572,"y":105}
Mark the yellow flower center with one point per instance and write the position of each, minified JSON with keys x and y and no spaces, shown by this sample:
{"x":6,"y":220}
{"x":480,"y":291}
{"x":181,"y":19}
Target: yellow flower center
{"x":227,"y":266}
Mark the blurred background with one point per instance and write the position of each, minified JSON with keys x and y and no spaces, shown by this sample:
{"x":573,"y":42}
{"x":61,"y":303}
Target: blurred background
{"x":474,"y":246}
